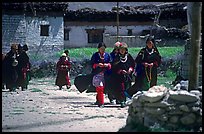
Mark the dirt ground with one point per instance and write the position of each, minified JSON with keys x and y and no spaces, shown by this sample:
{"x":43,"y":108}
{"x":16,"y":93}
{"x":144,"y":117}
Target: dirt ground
{"x":44,"y":108}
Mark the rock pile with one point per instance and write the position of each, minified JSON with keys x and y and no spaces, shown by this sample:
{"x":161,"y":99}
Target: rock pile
{"x":172,"y":110}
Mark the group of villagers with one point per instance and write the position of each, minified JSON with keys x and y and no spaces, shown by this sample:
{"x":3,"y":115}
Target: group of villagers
{"x":116,"y":72}
{"x":113,"y":73}
{"x":16,"y":68}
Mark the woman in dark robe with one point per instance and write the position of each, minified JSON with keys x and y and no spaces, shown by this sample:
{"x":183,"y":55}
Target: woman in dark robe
{"x":122,"y":69}
{"x":22,"y":68}
{"x":3,"y":71}
{"x":148,"y":60}
{"x":63,"y":66}
{"x":109,"y":82}
{"x":10,"y":63}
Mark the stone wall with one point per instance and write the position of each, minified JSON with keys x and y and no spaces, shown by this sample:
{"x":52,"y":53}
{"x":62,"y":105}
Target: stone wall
{"x":24,"y":29}
{"x":171,"y":110}
{"x":13,"y":30}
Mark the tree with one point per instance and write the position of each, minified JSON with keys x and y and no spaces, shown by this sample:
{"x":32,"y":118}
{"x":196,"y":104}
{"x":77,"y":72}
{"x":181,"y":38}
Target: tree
{"x":194,"y":19}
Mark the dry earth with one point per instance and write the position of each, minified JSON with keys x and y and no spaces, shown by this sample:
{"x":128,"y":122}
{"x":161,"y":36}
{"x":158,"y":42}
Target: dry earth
{"x":44,"y":108}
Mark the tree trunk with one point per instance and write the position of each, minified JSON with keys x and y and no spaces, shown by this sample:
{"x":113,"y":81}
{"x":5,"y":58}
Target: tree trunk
{"x":194,"y":15}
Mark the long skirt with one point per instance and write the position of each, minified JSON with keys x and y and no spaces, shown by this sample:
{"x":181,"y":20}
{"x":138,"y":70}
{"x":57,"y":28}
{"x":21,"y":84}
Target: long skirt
{"x":62,"y":79}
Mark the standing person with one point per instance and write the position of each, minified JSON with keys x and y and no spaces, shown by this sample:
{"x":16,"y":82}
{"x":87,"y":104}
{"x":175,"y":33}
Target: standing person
{"x":62,"y":79}
{"x":10,"y":62}
{"x":68,"y":58}
{"x":22,"y":67}
{"x":110,"y":82}
{"x":100,"y":66}
{"x":27,"y":67}
{"x":149,"y":60}
{"x":67,"y":53}
{"x":3,"y":71}
{"x":122,"y":69}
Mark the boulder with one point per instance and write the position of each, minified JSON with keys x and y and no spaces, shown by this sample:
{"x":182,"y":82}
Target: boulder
{"x":183,"y":96}
{"x":188,"y":119}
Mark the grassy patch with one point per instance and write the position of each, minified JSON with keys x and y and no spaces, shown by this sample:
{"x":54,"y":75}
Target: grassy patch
{"x":16,"y":113}
{"x":44,"y":93}
{"x":167,"y":79}
{"x":33,"y":110}
{"x":51,"y":112}
{"x":36,"y":90}
{"x":18,"y":110}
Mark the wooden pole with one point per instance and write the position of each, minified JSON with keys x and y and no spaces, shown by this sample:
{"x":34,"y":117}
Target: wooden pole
{"x":195,"y":9}
{"x":117,"y":21}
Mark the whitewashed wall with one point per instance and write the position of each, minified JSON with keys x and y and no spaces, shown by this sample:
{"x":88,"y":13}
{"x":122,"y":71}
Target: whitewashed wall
{"x":55,"y":40}
{"x":78,"y":36}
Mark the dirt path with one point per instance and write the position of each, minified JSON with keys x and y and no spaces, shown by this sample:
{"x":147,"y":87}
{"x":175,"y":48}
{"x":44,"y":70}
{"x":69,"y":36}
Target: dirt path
{"x":44,"y":108}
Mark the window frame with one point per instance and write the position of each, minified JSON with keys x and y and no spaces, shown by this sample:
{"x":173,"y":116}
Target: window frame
{"x":44,"y":30}
{"x":66,"y":31}
{"x":95,"y":35}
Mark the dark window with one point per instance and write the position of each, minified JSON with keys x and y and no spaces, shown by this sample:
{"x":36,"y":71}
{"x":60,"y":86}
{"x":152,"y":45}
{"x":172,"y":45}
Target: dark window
{"x":66,"y":34}
{"x":129,"y":32}
{"x":95,"y":35}
{"x":145,"y":32}
{"x":44,"y":30}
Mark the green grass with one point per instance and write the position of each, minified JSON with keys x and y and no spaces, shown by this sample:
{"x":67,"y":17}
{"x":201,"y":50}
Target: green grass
{"x":87,"y":52}
{"x":167,"y":79}
{"x":36,"y":90}
{"x":81,"y":53}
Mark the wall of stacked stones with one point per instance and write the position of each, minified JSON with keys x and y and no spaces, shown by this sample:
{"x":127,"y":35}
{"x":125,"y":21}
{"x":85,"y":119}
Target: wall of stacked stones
{"x":172,"y":110}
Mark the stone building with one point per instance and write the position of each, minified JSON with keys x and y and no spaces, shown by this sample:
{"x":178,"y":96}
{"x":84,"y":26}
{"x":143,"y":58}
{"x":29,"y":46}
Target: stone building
{"x":40,"y":26}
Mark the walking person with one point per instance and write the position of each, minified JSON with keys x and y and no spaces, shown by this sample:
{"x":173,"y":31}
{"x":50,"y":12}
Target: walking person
{"x":122,"y":69}
{"x":22,"y":68}
{"x":110,"y":80}
{"x":100,"y":61}
{"x":3,"y":71}
{"x":68,"y":58}
{"x":27,"y":67}
{"x":148,"y":60}
{"x":10,"y":62}
{"x":62,"y":79}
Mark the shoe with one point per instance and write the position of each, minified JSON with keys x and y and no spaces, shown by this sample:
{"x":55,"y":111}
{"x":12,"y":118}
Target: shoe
{"x":96,"y":103}
{"x":101,"y":106}
{"x":122,"y":105}
{"x":60,"y":88}
{"x":117,"y":102}
{"x":68,"y":86}
{"x":112,"y":102}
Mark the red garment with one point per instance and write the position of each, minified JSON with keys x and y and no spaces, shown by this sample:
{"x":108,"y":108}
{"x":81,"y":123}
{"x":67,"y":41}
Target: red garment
{"x":100,"y":95}
{"x":63,"y":67}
